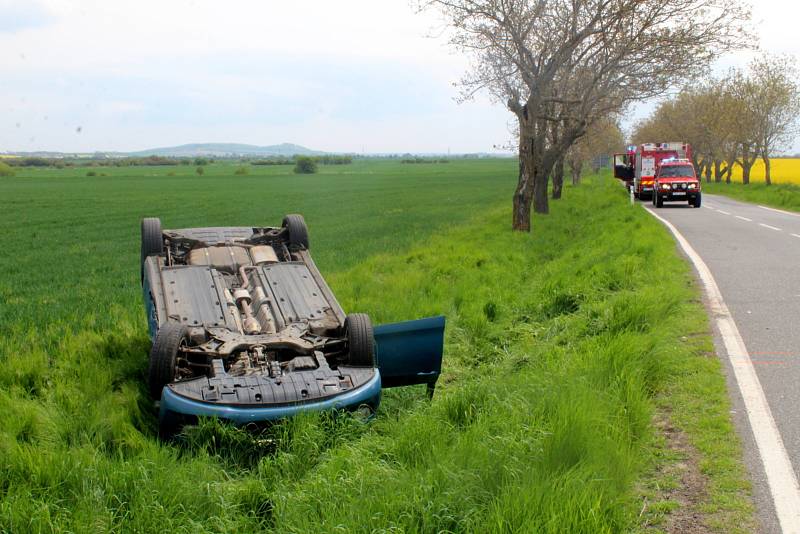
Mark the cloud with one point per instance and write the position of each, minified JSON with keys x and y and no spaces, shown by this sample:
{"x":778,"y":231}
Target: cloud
{"x":18,"y":16}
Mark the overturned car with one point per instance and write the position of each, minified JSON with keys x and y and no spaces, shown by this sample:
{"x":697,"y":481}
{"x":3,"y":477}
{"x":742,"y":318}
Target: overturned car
{"x":244,"y":327}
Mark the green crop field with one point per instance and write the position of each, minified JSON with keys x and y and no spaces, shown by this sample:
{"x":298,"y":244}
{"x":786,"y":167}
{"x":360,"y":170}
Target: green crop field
{"x":560,"y":354}
{"x":780,"y":195}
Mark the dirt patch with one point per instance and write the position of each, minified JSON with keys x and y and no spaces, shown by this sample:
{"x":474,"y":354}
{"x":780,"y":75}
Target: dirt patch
{"x":677,"y":489}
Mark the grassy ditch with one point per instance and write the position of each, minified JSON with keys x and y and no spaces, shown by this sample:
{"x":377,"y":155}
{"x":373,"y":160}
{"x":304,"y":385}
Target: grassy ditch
{"x":563,"y":348}
{"x":784,"y":196}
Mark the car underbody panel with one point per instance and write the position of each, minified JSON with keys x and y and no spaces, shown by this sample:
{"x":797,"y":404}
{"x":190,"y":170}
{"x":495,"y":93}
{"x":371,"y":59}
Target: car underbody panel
{"x":246,"y":328}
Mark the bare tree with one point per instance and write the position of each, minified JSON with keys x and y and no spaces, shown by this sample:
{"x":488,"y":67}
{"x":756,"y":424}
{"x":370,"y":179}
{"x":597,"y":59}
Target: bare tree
{"x":572,"y":62}
{"x":742,"y":91}
{"x":602,"y":138}
{"x":775,"y":104}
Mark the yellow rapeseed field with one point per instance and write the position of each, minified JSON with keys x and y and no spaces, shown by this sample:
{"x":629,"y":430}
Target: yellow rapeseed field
{"x":784,"y":171}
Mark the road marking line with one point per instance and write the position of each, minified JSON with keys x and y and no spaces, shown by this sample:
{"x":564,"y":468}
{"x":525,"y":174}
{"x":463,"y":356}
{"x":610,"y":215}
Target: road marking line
{"x":709,"y":207}
{"x":780,"y":211}
{"x":723,"y":212}
{"x":795,"y":235}
{"x":781,"y":478}
{"x":744,"y":218}
{"x":770,"y":227}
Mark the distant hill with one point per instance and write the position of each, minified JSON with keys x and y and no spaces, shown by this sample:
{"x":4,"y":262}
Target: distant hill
{"x":227,"y":149}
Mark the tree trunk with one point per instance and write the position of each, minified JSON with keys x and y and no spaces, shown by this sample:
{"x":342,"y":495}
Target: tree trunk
{"x":767,"y":177}
{"x":540,"y":201}
{"x":746,"y":166}
{"x":558,"y":178}
{"x":708,"y":172}
{"x":717,"y":171}
{"x":728,"y":173}
{"x":576,"y":172}
{"x":524,"y":193}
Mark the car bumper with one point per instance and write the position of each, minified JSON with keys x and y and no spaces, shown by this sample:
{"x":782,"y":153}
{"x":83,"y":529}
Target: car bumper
{"x":677,"y":197}
{"x":175,"y":407}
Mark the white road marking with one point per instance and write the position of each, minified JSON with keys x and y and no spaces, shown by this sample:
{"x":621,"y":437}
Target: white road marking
{"x":780,"y":211}
{"x":795,"y":235}
{"x":723,"y":212}
{"x":770,"y":227}
{"x":744,"y":218}
{"x":781,"y":478}
{"x":708,"y":207}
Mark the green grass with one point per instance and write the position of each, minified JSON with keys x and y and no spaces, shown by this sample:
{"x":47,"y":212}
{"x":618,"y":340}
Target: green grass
{"x":784,"y":196}
{"x":560,"y":351}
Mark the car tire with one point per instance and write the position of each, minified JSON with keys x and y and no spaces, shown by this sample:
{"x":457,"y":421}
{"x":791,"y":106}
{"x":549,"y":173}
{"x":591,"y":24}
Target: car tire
{"x":659,"y":201}
{"x":298,"y":231}
{"x":697,"y":200}
{"x":152,"y":240}
{"x":164,"y":355}
{"x":360,"y":340}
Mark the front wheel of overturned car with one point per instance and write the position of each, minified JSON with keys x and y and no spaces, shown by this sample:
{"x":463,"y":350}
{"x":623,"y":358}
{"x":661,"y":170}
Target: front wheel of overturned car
{"x":169,"y":340}
{"x":298,"y":231}
{"x":360,"y":340}
{"x":152,"y":240}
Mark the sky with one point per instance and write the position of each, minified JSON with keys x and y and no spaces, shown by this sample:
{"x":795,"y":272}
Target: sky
{"x":362,"y":76}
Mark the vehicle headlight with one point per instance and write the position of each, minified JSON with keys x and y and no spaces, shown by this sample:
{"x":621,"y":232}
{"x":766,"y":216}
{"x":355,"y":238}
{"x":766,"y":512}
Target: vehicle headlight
{"x":664,"y":186}
{"x":692,"y":186}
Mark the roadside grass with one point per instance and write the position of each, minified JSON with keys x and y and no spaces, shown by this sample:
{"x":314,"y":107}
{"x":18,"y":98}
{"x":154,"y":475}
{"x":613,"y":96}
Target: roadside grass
{"x":784,"y":196}
{"x":562,"y":349}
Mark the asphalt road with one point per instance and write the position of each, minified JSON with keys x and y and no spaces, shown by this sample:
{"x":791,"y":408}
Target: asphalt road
{"x":753,"y":253}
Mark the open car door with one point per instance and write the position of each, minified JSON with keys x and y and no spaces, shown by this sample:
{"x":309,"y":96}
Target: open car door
{"x":410,"y":352}
{"x":622,"y":167}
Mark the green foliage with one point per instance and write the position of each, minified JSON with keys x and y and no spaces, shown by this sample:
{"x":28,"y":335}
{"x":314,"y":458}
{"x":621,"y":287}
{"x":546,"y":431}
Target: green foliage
{"x":542,"y":416}
{"x":408,"y":160}
{"x":333,"y":160}
{"x":277,"y":160}
{"x":5,"y":170}
{"x":242,"y":171}
{"x":33,"y":161}
{"x":91,"y":173}
{"x":200,"y":171}
{"x":305,"y":165}
{"x":201,"y":161}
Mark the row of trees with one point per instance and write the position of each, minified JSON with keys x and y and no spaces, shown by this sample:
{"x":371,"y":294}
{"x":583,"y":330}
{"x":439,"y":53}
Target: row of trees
{"x":732,"y":120}
{"x":563,"y":66}
{"x":38,"y":161}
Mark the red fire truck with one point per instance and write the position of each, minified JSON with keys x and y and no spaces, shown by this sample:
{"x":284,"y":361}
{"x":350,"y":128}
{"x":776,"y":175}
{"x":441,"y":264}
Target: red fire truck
{"x":637,"y":167}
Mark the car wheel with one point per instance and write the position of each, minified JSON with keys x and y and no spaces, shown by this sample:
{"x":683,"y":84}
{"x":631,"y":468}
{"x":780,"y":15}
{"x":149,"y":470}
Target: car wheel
{"x":164,"y":356}
{"x":298,"y":231}
{"x":697,"y":200}
{"x":659,"y":201}
{"x":152,"y":240}
{"x":360,"y":340}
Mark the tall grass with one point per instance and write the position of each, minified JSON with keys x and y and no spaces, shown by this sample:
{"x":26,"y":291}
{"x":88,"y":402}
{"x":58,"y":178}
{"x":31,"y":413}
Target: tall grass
{"x":559,"y":345}
{"x":785,"y":196}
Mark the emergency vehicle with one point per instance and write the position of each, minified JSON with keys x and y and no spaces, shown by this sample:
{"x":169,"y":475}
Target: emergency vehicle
{"x":638,"y":165}
{"x":676,"y":181}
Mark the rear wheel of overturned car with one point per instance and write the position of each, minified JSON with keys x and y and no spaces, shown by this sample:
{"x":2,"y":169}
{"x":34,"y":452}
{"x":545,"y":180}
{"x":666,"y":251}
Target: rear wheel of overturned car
{"x":152,"y":241}
{"x":298,"y":231}
{"x":360,"y":340}
{"x":169,"y":341}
